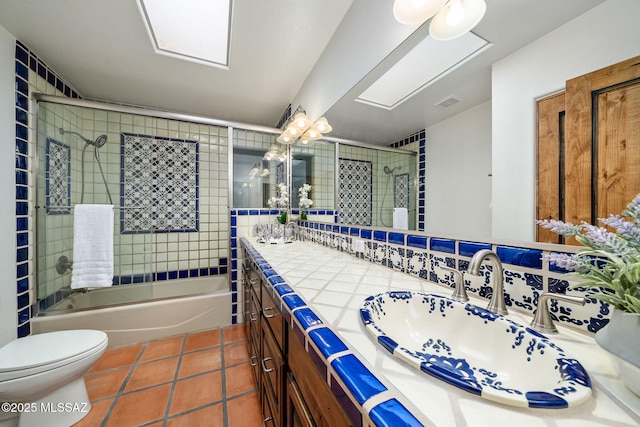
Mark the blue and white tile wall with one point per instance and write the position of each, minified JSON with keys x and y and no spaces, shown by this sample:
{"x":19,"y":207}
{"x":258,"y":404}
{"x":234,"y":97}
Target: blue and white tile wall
{"x":180,"y":232}
{"x":172,"y":255}
{"x":32,"y":75}
{"x":355,"y":197}
{"x":417,"y":142}
{"x":526,"y":274}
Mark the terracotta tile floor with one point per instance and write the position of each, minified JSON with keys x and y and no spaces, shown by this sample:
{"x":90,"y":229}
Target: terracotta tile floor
{"x":190,"y":380}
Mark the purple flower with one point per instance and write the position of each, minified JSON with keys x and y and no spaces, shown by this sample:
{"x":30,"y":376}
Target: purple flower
{"x":566,"y":261}
{"x":622,"y":226}
{"x":562,"y":228}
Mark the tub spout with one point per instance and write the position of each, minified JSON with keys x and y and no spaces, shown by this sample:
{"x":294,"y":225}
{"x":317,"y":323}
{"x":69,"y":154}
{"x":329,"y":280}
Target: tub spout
{"x":497,"y":303}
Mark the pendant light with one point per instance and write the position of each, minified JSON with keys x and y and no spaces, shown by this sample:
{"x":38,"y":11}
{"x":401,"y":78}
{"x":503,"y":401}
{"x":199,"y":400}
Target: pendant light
{"x":457,"y":18}
{"x":414,"y":12}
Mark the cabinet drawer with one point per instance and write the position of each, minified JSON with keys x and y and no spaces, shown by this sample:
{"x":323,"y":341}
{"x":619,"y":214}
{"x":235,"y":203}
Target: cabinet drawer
{"x":316,"y":394}
{"x":272,"y":365}
{"x":297,"y":413}
{"x":271,"y":313}
{"x":254,"y":360}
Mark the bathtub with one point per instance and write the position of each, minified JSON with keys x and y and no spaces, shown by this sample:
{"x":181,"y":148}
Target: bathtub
{"x":164,"y":308}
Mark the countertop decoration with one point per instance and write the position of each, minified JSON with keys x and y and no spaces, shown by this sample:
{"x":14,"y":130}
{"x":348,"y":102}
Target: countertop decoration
{"x":609,"y":266}
{"x":305,"y":202}
{"x":281,"y":200}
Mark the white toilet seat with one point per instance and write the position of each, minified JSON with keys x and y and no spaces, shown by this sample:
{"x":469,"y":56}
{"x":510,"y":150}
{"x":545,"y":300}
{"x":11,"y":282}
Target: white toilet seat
{"x":39,"y":353}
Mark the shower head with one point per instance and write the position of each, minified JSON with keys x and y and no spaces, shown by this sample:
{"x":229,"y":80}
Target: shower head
{"x":390,"y":171}
{"x":99,"y":142}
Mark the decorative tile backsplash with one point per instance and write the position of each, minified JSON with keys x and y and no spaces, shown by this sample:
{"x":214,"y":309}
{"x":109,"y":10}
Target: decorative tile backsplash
{"x":526,"y":274}
{"x":159,"y":184}
{"x":401,"y":190}
{"x":356,"y":187}
{"x":58,"y":178}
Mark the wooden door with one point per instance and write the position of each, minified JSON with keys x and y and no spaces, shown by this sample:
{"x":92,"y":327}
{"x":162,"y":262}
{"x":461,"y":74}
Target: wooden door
{"x":602,"y":138}
{"x":617,"y":148}
{"x":550,"y":162}
{"x":589,"y":151}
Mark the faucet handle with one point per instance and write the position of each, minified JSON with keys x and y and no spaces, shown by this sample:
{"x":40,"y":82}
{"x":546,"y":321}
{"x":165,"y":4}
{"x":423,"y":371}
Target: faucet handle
{"x":542,"y":321}
{"x":460,"y":291}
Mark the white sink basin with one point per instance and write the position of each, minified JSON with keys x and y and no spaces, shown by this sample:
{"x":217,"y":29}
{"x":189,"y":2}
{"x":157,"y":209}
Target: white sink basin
{"x":475,"y":350}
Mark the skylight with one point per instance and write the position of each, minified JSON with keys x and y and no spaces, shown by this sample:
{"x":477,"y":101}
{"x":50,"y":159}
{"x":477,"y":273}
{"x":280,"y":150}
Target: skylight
{"x":425,"y":64}
{"x":193,"y":30}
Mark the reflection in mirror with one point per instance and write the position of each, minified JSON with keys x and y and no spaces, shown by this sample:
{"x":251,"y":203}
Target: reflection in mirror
{"x":377,"y":187}
{"x":259,"y":164}
{"x":314,"y":165}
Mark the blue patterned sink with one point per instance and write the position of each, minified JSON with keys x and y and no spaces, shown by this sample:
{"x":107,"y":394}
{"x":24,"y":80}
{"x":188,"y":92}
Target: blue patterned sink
{"x":475,"y":350}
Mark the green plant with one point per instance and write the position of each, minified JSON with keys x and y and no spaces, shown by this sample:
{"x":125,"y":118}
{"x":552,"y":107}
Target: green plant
{"x":609,"y":263}
{"x":282,"y":218}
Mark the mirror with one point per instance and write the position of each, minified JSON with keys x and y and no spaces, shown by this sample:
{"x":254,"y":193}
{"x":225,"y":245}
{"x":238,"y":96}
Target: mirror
{"x":259,"y":165}
{"x":372,"y":184}
{"x":314,"y":165}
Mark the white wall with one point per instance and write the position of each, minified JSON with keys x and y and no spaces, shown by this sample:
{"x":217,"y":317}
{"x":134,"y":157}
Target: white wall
{"x":458,"y":185}
{"x":603,"y":36}
{"x":8,"y":304}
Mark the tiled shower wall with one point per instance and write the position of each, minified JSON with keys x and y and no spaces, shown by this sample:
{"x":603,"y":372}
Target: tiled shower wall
{"x":163,"y":250}
{"x":172,"y":255}
{"x":323,"y":173}
{"x":383,"y":184}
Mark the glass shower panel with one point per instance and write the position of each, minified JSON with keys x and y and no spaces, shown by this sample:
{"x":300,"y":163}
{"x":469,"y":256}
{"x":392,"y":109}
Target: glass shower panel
{"x":75,"y":151}
{"x":167,"y":180}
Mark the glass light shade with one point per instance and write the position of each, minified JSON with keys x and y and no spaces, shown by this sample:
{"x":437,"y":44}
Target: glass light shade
{"x":413,"y":12}
{"x":322,"y":125}
{"x":473,"y":10}
{"x":300,"y":121}
{"x":285,"y":139}
{"x":311,"y":135}
{"x":305,"y":142}
{"x":292,"y":131}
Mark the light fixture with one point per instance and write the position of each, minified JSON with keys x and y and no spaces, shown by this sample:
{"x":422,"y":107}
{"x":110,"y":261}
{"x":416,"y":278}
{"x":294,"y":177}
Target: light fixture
{"x":450,"y":18}
{"x":299,"y":128}
{"x":413,"y":12}
{"x":457,"y":18}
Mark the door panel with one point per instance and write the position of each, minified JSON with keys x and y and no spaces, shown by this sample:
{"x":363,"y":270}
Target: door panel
{"x":618,"y":148}
{"x":550,"y":159}
{"x":600,"y":173}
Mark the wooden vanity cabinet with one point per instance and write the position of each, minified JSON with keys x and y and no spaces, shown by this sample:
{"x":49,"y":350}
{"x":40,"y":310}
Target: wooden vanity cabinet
{"x":310,"y":401}
{"x":292,"y":392}
{"x":267,"y":346}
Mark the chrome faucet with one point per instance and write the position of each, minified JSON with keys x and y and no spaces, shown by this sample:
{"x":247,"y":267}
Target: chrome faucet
{"x":294,"y":231}
{"x":496,"y":303}
{"x":460,"y":292}
{"x":542,"y":321}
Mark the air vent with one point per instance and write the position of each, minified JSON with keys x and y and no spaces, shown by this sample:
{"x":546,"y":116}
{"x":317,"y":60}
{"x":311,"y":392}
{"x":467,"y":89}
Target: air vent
{"x":447,"y":102}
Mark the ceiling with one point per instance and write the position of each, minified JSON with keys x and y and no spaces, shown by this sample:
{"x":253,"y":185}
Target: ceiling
{"x":101,"y":48}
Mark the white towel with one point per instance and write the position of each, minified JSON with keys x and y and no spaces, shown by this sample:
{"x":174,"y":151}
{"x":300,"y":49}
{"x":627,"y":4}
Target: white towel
{"x":92,"y":246}
{"x":401,"y":218}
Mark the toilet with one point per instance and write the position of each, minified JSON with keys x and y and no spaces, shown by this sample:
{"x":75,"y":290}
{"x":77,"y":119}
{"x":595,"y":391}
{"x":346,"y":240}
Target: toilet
{"x":41,"y":377}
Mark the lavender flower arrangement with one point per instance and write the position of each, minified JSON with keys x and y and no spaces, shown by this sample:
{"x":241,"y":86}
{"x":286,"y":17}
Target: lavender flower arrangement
{"x":609,"y":265}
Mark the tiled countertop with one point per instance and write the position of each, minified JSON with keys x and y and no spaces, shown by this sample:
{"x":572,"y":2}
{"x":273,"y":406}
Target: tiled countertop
{"x":334,"y":285}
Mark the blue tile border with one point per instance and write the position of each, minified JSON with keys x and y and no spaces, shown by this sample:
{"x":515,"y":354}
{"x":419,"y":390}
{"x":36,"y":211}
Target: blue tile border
{"x":392,"y":413}
{"x":357,"y":378}
{"x":26,"y":60}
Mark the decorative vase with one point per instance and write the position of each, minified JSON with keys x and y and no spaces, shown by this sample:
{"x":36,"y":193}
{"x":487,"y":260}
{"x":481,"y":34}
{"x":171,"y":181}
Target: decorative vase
{"x":621,"y":339}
